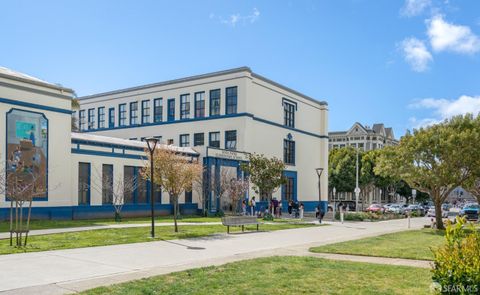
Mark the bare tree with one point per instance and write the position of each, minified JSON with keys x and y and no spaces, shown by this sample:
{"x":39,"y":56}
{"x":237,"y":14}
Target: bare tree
{"x":202,"y":191}
{"x":114,"y":189}
{"x":237,"y":189}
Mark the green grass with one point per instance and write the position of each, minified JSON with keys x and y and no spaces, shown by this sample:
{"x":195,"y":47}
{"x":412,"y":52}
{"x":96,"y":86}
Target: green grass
{"x":103,"y":237}
{"x":282,"y":275}
{"x":49,"y":224}
{"x":415,"y":244}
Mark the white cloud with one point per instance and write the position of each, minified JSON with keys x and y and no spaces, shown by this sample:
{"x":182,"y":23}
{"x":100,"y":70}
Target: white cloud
{"x":414,"y":7}
{"x":445,"y":108}
{"x":416,"y":54}
{"x":446,"y":36}
{"x":416,"y":123}
{"x":237,"y":18}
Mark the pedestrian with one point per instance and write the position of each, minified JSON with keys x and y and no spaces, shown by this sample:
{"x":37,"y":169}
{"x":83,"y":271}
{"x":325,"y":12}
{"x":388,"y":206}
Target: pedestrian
{"x":275,"y":207}
{"x":252,"y":206}
{"x":317,"y":211}
{"x":302,"y":207}
{"x":280,"y":209}
{"x":321,"y":213}
{"x":244,"y":207}
{"x":290,"y":206}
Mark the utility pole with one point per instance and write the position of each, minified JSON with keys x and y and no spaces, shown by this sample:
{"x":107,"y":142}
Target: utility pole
{"x":357,"y":189}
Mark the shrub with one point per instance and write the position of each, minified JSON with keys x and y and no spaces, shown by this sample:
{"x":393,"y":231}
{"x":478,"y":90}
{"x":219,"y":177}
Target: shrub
{"x":268,"y":217}
{"x":457,"y":263}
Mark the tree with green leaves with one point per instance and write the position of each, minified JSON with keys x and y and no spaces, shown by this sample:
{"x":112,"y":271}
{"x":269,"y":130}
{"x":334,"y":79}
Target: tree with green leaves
{"x":266,"y":174}
{"x":436,"y":159}
{"x":341,"y":169}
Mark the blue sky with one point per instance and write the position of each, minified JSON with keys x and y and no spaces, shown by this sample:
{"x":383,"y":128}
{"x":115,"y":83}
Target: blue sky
{"x":404,"y":63}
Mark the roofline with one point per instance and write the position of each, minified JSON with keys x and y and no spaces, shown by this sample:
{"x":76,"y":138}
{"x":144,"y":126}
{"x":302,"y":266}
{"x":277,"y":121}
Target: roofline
{"x":38,"y":83}
{"x":203,"y":76}
{"x":169,"y":82}
{"x":323,"y":103}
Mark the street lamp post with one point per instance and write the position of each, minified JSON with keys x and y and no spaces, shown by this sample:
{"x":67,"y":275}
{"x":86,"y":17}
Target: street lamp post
{"x":414,"y":195}
{"x":319,"y":173}
{"x":334,"y":203}
{"x":152,"y":144}
{"x":357,"y":189}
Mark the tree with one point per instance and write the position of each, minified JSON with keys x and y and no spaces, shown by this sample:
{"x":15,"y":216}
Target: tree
{"x":174,"y":173}
{"x":114,"y":189}
{"x":266,"y":174}
{"x":436,"y":159}
{"x":202,"y":191}
{"x":237,"y":189}
{"x":341,"y":169}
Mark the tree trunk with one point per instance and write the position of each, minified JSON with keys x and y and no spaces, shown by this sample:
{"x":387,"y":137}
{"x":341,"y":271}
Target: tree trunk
{"x":438,"y":212}
{"x":175,"y":201}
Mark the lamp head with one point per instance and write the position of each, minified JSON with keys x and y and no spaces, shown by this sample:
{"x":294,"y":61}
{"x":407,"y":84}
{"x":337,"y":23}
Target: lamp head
{"x":151,"y":143}
{"x":319,"y":171}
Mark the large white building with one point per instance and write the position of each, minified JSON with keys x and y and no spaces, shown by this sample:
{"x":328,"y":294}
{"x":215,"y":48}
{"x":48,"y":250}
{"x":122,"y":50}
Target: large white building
{"x":36,"y":136}
{"x":223,"y":116}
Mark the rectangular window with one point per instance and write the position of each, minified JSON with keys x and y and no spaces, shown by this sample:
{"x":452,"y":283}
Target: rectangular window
{"x":171,"y":110}
{"x":289,"y":152}
{"x":134,"y":113}
{"x":81,"y":120}
{"x":83,"y":183}
{"x":91,"y":119}
{"x":188,"y":197}
{"x":142,"y":188}
{"x":111,"y":117}
{"x":231,"y":100}
{"x":122,"y":114}
{"x":184,"y":106}
{"x":289,"y":114}
{"x":128,"y":177}
{"x":101,"y":117}
{"x":288,"y":189}
{"x":199,"y":104}
{"x":184,"y":140}
{"x":215,"y":102}
{"x":107,"y":184}
{"x":231,"y":140}
{"x":198,"y":139}
{"x":145,"y":111}
{"x":158,"y":110}
{"x":214,"y":140}
{"x":170,"y":141}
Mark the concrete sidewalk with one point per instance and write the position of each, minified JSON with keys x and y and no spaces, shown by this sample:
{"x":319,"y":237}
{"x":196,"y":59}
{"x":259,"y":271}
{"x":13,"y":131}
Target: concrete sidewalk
{"x":69,"y":271}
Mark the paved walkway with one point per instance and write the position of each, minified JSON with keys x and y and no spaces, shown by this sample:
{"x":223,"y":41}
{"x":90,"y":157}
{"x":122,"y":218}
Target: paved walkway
{"x":69,"y":271}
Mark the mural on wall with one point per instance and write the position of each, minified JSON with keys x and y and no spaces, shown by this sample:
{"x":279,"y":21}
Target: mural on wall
{"x":27,"y":148}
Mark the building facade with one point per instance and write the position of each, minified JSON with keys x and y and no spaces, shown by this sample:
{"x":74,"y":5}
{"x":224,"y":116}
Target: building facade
{"x":69,"y":168}
{"x":363,"y":137}
{"x":223,"y":116}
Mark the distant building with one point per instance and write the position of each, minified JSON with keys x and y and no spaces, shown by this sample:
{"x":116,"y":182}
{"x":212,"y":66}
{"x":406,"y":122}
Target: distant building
{"x":363,"y":137}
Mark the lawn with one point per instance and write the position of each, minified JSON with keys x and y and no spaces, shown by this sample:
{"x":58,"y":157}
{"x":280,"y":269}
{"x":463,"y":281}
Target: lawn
{"x":414,"y":244}
{"x":103,"y":237}
{"x":48,"y":224}
{"x":283,"y":275}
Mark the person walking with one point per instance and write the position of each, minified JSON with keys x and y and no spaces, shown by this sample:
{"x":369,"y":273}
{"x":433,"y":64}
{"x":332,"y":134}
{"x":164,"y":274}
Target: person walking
{"x":244,"y":208}
{"x":321,"y":213}
{"x":302,"y":207}
{"x":290,"y":206}
{"x":252,"y":206}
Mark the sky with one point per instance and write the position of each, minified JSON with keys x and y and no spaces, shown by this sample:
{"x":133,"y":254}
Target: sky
{"x":405,"y":63}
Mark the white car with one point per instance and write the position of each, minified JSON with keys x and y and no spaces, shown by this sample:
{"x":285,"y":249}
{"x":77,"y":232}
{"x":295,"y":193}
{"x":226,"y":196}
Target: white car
{"x":431,"y":212}
{"x":395,"y":208}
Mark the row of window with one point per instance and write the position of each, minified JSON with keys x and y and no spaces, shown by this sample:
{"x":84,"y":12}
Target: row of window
{"x":231,"y":101}
{"x":135,"y":187}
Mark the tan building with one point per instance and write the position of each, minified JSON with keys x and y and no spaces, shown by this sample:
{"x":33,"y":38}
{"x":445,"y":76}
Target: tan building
{"x":363,"y":137}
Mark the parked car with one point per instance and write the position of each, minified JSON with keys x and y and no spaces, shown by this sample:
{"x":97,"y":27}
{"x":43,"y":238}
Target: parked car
{"x":470,"y":211}
{"x":375,"y":208}
{"x":415,"y":208}
{"x":395,"y":208}
{"x":431,"y":212}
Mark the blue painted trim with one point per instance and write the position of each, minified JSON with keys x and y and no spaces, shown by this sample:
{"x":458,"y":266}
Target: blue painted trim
{"x":107,"y":154}
{"x":35,"y":106}
{"x":111,"y":118}
{"x":290,"y":174}
{"x":98,"y":116}
{"x":216,"y":118}
{"x":47,"y":156}
{"x":106,"y":144}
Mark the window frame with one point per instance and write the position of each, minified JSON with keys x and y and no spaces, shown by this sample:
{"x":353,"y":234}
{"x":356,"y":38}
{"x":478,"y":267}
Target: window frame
{"x":185,"y":106}
{"x":227,"y":134}
{"x":183,"y":143}
{"x":122,"y":114}
{"x":210,"y":139}
{"x":81,"y":120}
{"x":145,"y":111}
{"x":171,"y":110}
{"x":101,"y":118}
{"x":231,"y":106}
{"x":196,"y":140}
{"x":111,"y":118}
{"x":289,"y":152}
{"x":199,"y":110}
{"x":134,"y":113}
{"x":215,"y":109}
{"x":91,"y":119}
{"x":158,"y":110}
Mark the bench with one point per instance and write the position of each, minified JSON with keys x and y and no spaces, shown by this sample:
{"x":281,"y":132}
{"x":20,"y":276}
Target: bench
{"x":239,"y":221}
